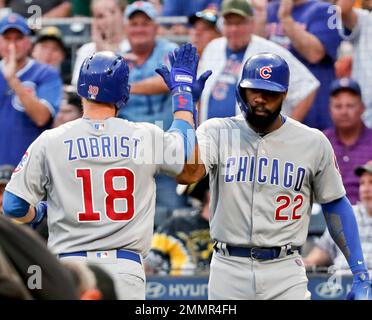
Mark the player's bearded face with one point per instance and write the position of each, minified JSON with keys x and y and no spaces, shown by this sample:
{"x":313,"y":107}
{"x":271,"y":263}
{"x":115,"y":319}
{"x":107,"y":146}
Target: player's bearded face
{"x":262,"y":110}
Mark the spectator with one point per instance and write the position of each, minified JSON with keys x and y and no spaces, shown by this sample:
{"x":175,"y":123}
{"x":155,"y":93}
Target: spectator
{"x":359,"y":22}
{"x":225,"y":56}
{"x":107,"y":32}
{"x":5,"y":174}
{"x":30,"y":92}
{"x":150,"y":54}
{"x":49,"y":47}
{"x":203,"y":28}
{"x":49,"y":9}
{"x":71,"y":109}
{"x":351,"y":140}
{"x":325,"y":251}
{"x":182,"y":244}
{"x":301,"y":26}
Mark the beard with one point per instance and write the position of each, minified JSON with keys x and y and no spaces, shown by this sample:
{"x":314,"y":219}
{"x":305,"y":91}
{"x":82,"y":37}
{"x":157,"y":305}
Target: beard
{"x":262,"y":122}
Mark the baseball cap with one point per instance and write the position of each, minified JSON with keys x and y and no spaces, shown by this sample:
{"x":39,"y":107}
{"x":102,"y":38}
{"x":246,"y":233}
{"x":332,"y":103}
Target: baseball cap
{"x":14,"y":21}
{"x":239,"y":7}
{"x":51,"y":33}
{"x":208,"y":15}
{"x":141,"y":6}
{"x":345,"y":84}
{"x":359,"y":170}
{"x":6,"y":171}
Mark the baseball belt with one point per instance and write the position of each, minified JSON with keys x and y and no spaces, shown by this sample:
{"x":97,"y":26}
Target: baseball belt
{"x":256,"y":253}
{"x":120,"y":254}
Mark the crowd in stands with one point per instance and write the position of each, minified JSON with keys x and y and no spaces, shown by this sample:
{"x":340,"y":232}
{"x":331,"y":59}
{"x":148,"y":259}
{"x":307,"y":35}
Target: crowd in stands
{"x":329,"y":53}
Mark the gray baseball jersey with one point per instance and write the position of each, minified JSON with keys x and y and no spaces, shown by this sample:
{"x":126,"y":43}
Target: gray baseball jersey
{"x":262,"y":188}
{"x":98,"y":178}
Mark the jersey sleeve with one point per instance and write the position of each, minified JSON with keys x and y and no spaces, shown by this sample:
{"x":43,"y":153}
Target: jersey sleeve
{"x":30,"y":178}
{"x":207,"y":135}
{"x":49,"y":91}
{"x":327,"y":183}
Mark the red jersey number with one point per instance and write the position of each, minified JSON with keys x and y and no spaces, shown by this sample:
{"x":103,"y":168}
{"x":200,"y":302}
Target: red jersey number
{"x":286,"y":202}
{"x":112,"y":195}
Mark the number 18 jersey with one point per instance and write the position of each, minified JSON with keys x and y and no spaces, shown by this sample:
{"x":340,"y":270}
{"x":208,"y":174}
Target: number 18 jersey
{"x":98,"y":179}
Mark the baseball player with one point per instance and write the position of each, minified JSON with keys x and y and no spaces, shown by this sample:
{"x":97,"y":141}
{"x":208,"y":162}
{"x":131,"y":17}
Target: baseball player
{"x":265,"y":172}
{"x":97,"y":172}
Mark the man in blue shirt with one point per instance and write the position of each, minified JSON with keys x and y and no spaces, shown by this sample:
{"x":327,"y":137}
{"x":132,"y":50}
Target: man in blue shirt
{"x":301,"y":26}
{"x":30,"y":92}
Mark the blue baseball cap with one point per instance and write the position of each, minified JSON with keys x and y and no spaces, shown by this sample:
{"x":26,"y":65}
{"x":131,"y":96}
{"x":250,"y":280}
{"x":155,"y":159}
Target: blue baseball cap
{"x":345,"y":84}
{"x":14,"y":21}
{"x":141,"y":6}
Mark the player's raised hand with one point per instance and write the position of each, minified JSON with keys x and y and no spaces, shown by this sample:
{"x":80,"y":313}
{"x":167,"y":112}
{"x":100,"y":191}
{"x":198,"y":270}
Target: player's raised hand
{"x":361,"y":288}
{"x":176,"y":62}
{"x":184,"y":63}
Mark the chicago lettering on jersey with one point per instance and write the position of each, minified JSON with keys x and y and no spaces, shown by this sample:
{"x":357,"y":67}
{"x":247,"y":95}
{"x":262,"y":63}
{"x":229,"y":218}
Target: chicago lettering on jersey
{"x":264,"y":171}
{"x":102,"y":147}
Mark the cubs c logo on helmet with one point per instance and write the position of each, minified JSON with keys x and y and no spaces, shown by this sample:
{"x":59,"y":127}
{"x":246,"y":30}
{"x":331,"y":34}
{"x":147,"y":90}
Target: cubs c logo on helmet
{"x":265,"y":72}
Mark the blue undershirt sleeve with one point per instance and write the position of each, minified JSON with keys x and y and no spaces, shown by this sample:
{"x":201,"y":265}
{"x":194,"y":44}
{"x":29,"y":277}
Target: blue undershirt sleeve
{"x":14,"y":206}
{"x":343,"y":228}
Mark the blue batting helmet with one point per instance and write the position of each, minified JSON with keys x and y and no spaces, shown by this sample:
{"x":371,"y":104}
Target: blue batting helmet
{"x":104,"y":78}
{"x":264,"y":71}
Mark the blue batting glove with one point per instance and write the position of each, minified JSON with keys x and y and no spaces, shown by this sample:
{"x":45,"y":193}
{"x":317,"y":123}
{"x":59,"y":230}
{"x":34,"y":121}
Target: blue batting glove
{"x":184,"y":62}
{"x":40,"y":211}
{"x":361,"y":288}
{"x":196,"y":89}
{"x":184,"y":67}
{"x":198,"y":86}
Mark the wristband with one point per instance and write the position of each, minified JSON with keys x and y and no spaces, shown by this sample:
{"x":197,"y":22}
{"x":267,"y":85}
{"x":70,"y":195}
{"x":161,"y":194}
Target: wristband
{"x":182,"y":99}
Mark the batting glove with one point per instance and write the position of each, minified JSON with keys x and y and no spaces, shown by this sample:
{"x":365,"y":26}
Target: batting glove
{"x":40,"y":212}
{"x":361,"y":288}
{"x":198,"y":85}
